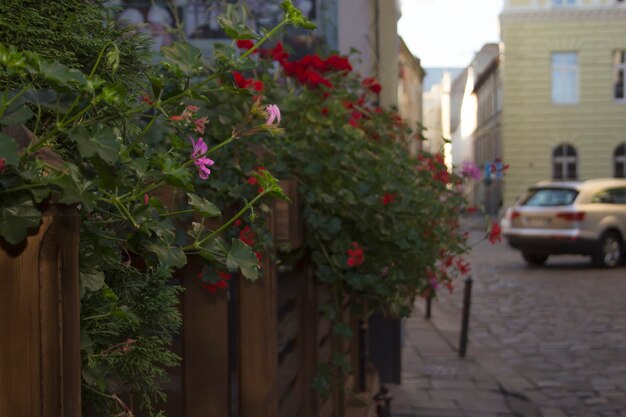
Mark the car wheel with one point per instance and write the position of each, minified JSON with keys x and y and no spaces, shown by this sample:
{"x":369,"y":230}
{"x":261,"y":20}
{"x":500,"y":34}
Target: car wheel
{"x":608,"y":253}
{"x":534,"y":258}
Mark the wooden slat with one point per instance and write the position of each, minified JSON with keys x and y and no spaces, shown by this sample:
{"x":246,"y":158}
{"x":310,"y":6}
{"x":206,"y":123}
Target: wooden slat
{"x":308,"y":339}
{"x":323,"y":330}
{"x":39,"y":321}
{"x":205,"y":347}
{"x":288,"y":371}
{"x":288,"y":329}
{"x":258,"y":343}
{"x":326,"y":409}
{"x":287,"y":223}
{"x":291,"y":405}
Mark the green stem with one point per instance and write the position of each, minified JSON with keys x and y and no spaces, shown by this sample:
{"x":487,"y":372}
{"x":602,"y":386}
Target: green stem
{"x":226,"y":225}
{"x":175,"y":213}
{"x":97,"y":64}
{"x":7,"y":103}
{"x":216,"y":147}
{"x":263,"y":39}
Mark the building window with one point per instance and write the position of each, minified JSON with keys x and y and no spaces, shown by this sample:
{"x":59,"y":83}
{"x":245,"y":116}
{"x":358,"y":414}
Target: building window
{"x":560,"y":3}
{"x":619,"y":161}
{"x":619,"y":67}
{"x":564,"y":77}
{"x":564,"y":163}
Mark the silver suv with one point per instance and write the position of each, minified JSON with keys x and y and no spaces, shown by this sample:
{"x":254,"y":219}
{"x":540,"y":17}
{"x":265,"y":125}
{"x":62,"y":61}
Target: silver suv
{"x":579,"y":217}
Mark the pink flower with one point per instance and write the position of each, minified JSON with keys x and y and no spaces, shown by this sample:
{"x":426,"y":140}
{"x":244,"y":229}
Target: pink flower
{"x":199,"y":124}
{"x":273,"y":114}
{"x":146,"y":199}
{"x":192,"y":109}
{"x":470,"y":170}
{"x":202,"y":162}
{"x":2,"y":164}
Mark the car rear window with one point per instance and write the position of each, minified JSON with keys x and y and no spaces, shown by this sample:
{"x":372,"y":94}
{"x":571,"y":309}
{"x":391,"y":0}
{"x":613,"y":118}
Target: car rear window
{"x":542,"y":197}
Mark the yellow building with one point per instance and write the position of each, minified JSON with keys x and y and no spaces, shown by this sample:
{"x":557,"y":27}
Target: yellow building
{"x":564,"y":107}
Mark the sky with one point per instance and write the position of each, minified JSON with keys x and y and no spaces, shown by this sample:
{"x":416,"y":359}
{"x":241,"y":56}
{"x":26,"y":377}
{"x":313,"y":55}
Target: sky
{"x":447,"y":33}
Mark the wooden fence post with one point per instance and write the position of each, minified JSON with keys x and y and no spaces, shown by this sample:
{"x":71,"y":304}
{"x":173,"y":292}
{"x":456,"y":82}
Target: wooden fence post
{"x":258,"y":345}
{"x":40,"y":321}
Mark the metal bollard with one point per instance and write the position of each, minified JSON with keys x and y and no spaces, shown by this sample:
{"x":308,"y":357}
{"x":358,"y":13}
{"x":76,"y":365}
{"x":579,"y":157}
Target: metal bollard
{"x":429,"y":301}
{"x":467,"y":299}
{"x":383,"y":409}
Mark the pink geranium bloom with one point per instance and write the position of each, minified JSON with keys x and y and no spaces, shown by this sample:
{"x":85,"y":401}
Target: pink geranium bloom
{"x":202,"y":162}
{"x":273,"y":114}
{"x":199,"y":124}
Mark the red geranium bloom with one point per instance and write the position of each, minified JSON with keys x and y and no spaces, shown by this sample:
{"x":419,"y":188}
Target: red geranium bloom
{"x":371,"y":84}
{"x":338,"y":63}
{"x":388,"y":198}
{"x":355,"y":256}
{"x":324,"y":111}
{"x":240,"y":80}
{"x":313,"y":61}
{"x":245,"y":44}
{"x":277,"y":53}
{"x":495,"y":233}
{"x":247,"y":236}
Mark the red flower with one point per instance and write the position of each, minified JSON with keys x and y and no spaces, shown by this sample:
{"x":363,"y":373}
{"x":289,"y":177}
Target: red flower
{"x":337,"y":63}
{"x":471,"y":209}
{"x":2,"y":165}
{"x":238,"y":222}
{"x":240,"y":80}
{"x":371,"y":84}
{"x":146,"y":99}
{"x":313,"y":61}
{"x":247,"y":235}
{"x":146,"y":199}
{"x":495,"y":233}
{"x":224,"y":275}
{"x":277,"y":53}
{"x":256,"y":85}
{"x":388,"y":198}
{"x":355,"y":256}
{"x":245,"y":44}
{"x":253,"y":181}
{"x":463,"y":266}
{"x":324,"y":111}
{"x":259,"y":256}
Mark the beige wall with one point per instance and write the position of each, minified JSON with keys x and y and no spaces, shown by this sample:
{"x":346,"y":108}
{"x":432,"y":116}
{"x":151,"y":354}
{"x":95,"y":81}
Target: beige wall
{"x":410,"y":76}
{"x":370,"y":26}
{"x":532,"y":125}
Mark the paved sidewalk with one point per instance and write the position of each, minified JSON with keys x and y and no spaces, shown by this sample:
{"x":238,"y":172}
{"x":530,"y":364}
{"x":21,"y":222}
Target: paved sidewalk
{"x":437,"y":383}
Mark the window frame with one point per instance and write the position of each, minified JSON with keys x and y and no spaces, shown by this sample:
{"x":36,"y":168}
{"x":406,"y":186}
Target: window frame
{"x":564,"y":3}
{"x":564,"y":69}
{"x":619,"y":158}
{"x":617,"y":67}
{"x":563,"y":161}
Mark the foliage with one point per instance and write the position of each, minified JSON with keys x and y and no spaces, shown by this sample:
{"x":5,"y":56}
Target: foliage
{"x":126,"y":330}
{"x":136,"y":166}
{"x":72,"y":32}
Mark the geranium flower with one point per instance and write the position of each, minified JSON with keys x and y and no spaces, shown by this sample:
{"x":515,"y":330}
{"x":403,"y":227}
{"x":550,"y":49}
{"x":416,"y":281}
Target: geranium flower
{"x":338,"y":63}
{"x":146,"y":199}
{"x":273,"y":114}
{"x":245,"y":44}
{"x":202,"y":162}
{"x":371,"y":84}
{"x":355,"y":256}
{"x":247,"y":235}
{"x":470,"y":170}
{"x":240,"y":80}
{"x":388,"y":198}
{"x":495,"y":233}
{"x":199,"y":124}
{"x":2,"y":165}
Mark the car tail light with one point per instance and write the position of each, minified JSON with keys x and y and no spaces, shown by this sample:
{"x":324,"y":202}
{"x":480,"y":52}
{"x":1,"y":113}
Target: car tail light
{"x":572,"y":216}
{"x":515,"y":215}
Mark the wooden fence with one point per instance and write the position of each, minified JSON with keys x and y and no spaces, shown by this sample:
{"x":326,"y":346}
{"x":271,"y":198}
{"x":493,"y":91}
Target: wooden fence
{"x":250,"y":352}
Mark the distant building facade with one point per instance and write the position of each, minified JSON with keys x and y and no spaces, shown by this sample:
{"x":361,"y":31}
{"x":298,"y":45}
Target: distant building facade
{"x":564,"y":104}
{"x":410,"y":82}
{"x":487,"y":138}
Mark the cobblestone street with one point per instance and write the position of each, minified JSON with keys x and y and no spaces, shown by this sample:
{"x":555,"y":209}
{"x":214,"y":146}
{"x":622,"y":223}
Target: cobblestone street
{"x":555,"y":335}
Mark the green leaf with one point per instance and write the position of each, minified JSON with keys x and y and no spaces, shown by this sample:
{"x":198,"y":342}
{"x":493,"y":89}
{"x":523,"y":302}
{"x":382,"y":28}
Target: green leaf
{"x":236,"y":30}
{"x":343,"y":329}
{"x":9,"y":150}
{"x":186,"y":56}
{"x":242,"y":257}
{"x":169,"y":256}
{"x":75,"y":189}
{"x":203,"y":206}
{"x":103,"y":143}
{"x":60,"y":74}
{"x":92,"y":281}
{"x":17,"y":117}
{"x":16,"y":219}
